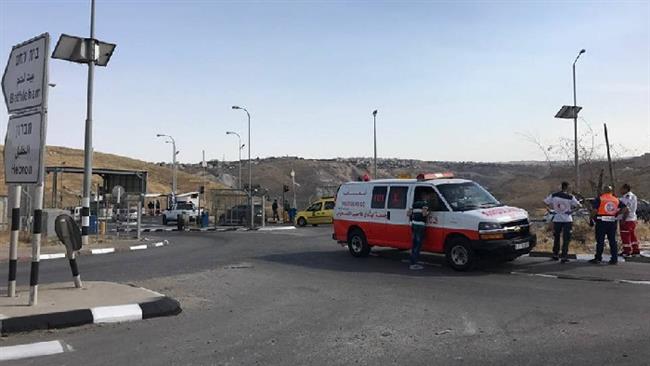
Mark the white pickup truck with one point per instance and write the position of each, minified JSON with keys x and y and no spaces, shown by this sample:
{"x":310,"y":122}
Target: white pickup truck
{"x":180,"y":208}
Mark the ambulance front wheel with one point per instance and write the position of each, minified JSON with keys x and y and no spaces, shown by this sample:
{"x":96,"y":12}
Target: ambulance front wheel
{"x":460,"y":254}
{"x":357,"y":244}
{"x":302,"y":222}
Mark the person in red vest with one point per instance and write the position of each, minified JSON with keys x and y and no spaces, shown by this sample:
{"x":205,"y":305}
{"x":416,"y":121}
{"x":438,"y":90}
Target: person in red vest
{"x":605,"y":209}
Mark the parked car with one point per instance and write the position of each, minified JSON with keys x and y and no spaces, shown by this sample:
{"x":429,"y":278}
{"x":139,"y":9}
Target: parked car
{"x":319,"y":212}
{"x":180,"y":208}
{"x":643,"y":210}
{"x":240,"y":215}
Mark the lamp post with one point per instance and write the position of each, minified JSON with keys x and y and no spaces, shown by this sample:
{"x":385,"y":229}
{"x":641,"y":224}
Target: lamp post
{"x":174,"y":153}
{"x":575,"y":124}
{"x":250,"y":166}
{"x":239,"y":147}
{"x":293,"y":188}
{"x":374,"y":119}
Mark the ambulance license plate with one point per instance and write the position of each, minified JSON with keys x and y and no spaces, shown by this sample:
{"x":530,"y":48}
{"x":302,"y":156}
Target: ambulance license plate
{"x":521,"y":246}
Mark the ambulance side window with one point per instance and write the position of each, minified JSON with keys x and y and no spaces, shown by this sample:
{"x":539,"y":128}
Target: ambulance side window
{"x":435,"y":202}
{"x":397,"y":197}
{"x":379,"y":197}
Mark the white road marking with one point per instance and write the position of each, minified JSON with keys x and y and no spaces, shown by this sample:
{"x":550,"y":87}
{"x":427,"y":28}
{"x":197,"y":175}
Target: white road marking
{"x":33,"y":350}
{"x":117,"y":313}
{"x":138,"y":247}
{"x":159,"y":244}
{"x":102,"y":251}
{"x":635,"y":282}
{"x":272,"y":228}
{"x":52,"y":256}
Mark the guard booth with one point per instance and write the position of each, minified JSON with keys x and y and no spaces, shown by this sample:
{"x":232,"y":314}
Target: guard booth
{"x":230,"y":207}
{"x":103,"y":206}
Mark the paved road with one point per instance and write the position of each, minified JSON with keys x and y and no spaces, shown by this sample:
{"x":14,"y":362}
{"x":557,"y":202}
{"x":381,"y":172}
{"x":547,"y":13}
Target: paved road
{"x":296,"y":298}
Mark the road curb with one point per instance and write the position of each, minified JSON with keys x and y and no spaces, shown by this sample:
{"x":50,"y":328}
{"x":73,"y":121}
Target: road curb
{"x":170,"y":229}
{"x":164,"y":306}
{"x":96,"y":251}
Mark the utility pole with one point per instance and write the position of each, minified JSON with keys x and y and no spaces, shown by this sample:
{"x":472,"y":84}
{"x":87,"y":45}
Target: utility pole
{"x":575,"y":125}
{"x":250,"y":166}
{"x":239,"y":148}
{"x":174,"y":153}
{"x":88,"y":140}
{"x":374,"y":119}
{"x":609,"y":158}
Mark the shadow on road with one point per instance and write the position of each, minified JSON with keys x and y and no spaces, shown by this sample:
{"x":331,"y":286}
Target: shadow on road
{"x":386,"y":261}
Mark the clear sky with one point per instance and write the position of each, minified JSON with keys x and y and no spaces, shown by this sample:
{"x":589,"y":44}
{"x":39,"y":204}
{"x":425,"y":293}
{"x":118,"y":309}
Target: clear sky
{"x":451,"y":80}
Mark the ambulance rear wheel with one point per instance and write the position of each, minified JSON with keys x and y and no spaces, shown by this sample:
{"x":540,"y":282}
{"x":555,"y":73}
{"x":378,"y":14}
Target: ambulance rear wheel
{"x":357,"y":244}
{"x":460,"y":254}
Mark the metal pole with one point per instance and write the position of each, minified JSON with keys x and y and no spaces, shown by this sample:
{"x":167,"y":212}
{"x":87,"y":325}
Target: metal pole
{"x":174,"y":167}
{"x":609,"y":158}
{"x":575,"y":132}
{"x":38,"y":197}
{"x":88,"y":141}
{"x":250,"y":171}
{"x":293,"y":181}
{"x":13,"y":240}
{"x":239,"y":148}
{"x":374,"y":118}
{"x":263,"y":210}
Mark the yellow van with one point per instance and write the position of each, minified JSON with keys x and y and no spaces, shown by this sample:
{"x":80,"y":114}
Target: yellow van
{"x":319,"y":212}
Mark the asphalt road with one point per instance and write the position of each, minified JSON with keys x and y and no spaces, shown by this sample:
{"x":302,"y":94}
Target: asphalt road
{"x":297,"y":298}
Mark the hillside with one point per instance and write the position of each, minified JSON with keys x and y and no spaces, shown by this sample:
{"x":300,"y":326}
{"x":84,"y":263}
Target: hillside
{"x":159,"y":176}
{"x":520,"y":184}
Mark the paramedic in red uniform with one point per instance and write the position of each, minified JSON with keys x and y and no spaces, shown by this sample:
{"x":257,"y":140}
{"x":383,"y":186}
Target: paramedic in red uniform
{"x":606,"y":208}
{"x":628,"y":222}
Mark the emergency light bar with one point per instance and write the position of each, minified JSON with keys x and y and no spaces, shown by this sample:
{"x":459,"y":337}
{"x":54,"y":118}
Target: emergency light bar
{"x":430,"y":176}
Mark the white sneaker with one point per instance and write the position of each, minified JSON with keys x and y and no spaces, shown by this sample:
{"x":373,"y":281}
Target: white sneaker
{"x":415,"y":267}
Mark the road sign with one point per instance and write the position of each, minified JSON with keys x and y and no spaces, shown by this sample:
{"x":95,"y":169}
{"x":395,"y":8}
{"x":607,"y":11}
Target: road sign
{"x":24,"y":80}
{"x":23,"y":147}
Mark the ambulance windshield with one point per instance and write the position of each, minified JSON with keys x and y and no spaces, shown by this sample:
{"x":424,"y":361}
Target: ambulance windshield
{"x":467,"y":196}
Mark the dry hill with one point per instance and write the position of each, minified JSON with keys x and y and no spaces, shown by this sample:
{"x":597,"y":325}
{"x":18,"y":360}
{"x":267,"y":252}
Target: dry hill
{"x":159,"y":176}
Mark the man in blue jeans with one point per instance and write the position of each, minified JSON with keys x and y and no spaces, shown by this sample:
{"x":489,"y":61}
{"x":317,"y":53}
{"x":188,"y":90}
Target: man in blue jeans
{"x":418,"y":215}
{"x":562,"y":204}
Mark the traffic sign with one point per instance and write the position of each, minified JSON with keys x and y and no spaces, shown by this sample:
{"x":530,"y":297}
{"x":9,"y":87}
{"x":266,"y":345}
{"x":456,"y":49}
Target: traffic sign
{"x":24,"y":80}
{"x":23,"y":148}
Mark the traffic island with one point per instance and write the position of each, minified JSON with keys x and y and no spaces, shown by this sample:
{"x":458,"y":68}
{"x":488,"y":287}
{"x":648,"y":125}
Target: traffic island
{"x":61,"y":305}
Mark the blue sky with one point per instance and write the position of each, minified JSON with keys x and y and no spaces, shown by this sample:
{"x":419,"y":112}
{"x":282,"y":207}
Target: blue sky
{"x":451,"y":80}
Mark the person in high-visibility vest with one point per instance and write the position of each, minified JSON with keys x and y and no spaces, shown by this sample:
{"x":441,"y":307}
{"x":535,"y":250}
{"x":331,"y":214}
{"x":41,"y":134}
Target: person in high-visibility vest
{"x":628,"y":222}
{"x":605,"y":209}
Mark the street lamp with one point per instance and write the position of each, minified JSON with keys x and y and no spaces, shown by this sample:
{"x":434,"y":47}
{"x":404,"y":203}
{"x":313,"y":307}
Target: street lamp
{"x":174,"y":153}
{"x":374,"y":119}
{"x":575,"y":124}
{"x":250,"y":167}
{"x":293,"y":188}
{"x":240,"y":147}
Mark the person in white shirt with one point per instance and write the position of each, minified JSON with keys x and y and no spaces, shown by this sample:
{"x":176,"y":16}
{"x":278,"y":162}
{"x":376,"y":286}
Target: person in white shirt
{"x":628,"y":222}
{"x":562,"y":205}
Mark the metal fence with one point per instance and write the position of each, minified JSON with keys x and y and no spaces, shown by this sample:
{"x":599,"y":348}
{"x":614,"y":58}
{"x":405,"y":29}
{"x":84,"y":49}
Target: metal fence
{"x":230,"y":207}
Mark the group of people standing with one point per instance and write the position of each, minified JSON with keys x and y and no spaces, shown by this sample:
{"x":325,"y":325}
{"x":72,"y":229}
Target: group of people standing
{"x":608,"y":213}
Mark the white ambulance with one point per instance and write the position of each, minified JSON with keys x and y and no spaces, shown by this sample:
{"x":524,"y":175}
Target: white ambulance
{"x":465,"y":220}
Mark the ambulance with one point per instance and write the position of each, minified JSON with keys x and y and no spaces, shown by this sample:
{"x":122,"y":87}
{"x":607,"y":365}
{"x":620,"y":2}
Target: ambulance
{"x":465,"y":220}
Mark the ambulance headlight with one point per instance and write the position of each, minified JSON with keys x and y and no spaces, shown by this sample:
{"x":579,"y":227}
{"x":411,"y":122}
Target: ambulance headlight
{"x":489,"y":226}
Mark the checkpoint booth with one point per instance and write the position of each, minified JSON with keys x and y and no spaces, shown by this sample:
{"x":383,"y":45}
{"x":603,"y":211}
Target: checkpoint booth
{"x":120,"y":193}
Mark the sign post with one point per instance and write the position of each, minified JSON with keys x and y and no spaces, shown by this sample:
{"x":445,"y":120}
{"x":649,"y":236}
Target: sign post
{"x":24,"y":86}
